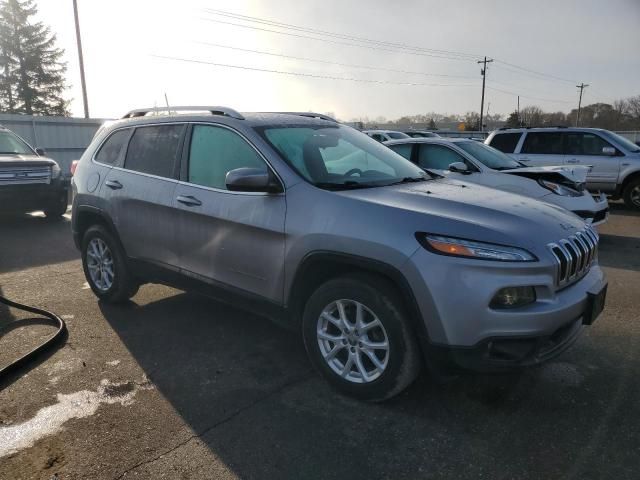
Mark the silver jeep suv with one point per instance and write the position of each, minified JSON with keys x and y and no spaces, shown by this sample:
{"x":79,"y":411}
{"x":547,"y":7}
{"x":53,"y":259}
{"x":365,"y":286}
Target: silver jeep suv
{"x":381,"y":266}
{"x":614,"y":160}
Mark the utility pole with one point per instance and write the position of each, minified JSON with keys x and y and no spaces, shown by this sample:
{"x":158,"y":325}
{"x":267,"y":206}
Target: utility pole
{"x":483,"y":72}
{"x":81,"y":61}
{"x":582,"y":86}
{"x":519,"y":111}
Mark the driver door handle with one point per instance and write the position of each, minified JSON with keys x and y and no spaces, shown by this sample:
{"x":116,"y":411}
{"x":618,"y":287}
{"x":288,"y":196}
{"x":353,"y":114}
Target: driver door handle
{"x":189,"y":200}
{"x":573,"y":160}
{"x":113,"y":184}
{"x":524,"y":159}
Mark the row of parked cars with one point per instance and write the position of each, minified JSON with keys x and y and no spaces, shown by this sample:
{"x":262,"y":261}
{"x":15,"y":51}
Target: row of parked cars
{"x":386,"y":258}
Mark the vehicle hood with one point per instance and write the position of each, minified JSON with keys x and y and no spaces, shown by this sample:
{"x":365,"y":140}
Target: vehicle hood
{"x":450,"y":207}
{"x":573,"y":175}
{"x":24,"y":160}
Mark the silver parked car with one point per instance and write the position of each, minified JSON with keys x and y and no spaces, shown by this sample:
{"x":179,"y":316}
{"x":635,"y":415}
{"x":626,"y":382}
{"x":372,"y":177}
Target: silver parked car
{"x":320,"y":227}
{"x":614,"y":160}
{"x":468,"y":160}
{"x":385,"y":135}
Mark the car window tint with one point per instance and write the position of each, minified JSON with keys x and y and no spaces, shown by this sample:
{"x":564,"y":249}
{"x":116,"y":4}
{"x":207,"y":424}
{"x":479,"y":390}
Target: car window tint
{"x":505,"y":142}
{"x":546,"y":143}
{"x":437,"y":157}
{"x":214,"y":152}
{"x":154,"y":150}
{"x":585,"y":144}
{"x":110,"y":151}
{"x":404,"y":150}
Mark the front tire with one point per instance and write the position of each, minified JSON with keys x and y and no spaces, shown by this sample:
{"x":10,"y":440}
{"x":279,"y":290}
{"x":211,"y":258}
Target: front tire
{"x":358,"y":338}
{"x":631,"y":194}
{"x":105,"y":267}
{"x":57,"y":208}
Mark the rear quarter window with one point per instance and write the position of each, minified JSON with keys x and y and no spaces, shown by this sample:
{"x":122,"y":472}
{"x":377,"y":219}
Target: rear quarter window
{"x":505,"y":142}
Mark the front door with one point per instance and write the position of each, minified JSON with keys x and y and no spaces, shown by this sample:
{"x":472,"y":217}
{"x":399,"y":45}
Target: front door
{"x":231,"y":239}
{"x":586,"y":148}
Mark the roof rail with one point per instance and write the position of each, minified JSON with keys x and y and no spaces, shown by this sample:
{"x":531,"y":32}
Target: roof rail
{"x":225,"y":111}
{"x":321,"y":116}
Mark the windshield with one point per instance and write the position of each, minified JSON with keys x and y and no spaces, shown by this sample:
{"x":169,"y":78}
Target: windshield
{"x":339,"y":157}
{"x":397,"y":135}
{"x":624,"y":142}
{"x":489,"y":156}
{"x":11,"y":144}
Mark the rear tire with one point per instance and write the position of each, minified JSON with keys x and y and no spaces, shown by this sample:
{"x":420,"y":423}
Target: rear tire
{"x":631,"y":194}
{"x":105,"y":266}
{"x":351,"y":356}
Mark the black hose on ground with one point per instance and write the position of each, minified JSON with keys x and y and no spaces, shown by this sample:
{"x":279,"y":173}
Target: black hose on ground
{"x":58,"y":336}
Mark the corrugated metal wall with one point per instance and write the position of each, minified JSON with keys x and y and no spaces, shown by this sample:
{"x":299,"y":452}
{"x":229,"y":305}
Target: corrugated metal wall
{"x":63,"y":138}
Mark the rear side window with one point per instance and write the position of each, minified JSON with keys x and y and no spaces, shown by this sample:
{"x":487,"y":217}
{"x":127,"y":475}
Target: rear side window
{"x":154,"y":150}
{"x":214,"y":152}
{"x":404,"y":150}
{"x":111,"y":150}
{"x":544,"y":143}
{"x":505,"y":142}
{"x":585,"y":144}
{"x":437,"y":157}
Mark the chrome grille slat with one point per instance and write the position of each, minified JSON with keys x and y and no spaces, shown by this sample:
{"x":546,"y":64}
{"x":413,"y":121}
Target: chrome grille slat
{"x":574,"y":255}
{"x":24,"y":175}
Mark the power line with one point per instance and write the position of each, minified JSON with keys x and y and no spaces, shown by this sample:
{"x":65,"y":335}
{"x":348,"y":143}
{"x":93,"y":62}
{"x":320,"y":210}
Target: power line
{"x":311,"y":75}
{"x":551,"y":100}
{"x":534,"y":72}
{"x":343,"y":36}
{"x":370,"y":47}
{"x":307,"y":59}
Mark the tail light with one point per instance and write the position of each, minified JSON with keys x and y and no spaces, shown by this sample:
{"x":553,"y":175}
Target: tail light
{"x":73,"y":167}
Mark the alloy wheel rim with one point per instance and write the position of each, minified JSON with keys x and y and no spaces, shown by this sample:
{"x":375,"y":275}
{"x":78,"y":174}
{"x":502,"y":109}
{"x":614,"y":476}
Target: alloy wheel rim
{"x":352,"y":340}
{"x":100,"y":264}
{"x":635,"y":195}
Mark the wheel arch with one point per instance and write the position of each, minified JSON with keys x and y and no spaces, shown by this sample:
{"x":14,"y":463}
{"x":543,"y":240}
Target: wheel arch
{"x":320,"y":266}
{"x":85,"y":216}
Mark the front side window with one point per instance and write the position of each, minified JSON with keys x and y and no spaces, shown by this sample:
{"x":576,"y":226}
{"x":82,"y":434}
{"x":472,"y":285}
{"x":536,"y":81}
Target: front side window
{"x":403,"y":149}
{"x":505,"y":142}
{"x":437,"y":157}
{"x":544,"y":143}
{"x":110,"y":150}
{"x":339,"y":157}
{"x":625,"y":142}
{"x":489,"y":156}
{"x":154,"y":150}
{"x":11,"y":144}
{"x":214,"y":152}
{"x":585,"y":144}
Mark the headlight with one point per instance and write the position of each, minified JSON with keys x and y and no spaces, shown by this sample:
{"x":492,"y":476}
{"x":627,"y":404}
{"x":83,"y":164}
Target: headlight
{"x":468,"y":248}
{"x":55,"y":171}
{"x":560,"y":189}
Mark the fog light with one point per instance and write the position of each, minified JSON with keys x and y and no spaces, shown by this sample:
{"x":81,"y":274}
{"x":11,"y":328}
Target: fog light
{"x":510,"y":297}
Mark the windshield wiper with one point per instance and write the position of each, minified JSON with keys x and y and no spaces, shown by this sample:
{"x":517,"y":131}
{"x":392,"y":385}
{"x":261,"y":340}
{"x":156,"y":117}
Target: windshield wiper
{"x":348,"y":185}
{"x":12,"y":153}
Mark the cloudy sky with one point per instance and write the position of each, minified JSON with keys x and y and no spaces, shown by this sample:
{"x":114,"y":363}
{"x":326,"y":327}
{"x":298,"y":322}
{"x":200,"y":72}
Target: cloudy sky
{"x":420,"y":57}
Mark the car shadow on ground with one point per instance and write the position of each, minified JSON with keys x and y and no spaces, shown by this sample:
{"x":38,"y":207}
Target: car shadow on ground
{"x":247,"y":390}
{"x":617,"y":251}
{"x":620,"y":208}
{"x":48,"y":242}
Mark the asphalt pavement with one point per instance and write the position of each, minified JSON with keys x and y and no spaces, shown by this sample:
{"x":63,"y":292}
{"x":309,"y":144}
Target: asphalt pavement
{"x":178,"y":386}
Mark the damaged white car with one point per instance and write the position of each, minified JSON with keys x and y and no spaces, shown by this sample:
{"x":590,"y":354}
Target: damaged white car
{"x":471,"y":161}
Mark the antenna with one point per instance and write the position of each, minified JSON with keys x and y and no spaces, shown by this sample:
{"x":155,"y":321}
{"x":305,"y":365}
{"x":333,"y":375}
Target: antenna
{"x":167,"y":101}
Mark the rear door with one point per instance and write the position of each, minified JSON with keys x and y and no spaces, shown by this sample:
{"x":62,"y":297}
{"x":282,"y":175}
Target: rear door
{"x":140,"y":193}
{"x":586,"y":148}
{"x":230,"y":239}
{"x":542,"y":148}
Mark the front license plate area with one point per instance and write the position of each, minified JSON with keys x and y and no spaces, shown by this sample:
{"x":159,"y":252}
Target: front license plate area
{"x":595,"y":305}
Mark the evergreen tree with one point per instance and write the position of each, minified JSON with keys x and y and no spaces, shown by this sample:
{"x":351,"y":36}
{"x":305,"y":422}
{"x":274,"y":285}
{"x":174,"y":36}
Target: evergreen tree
{"x":32,"y":78}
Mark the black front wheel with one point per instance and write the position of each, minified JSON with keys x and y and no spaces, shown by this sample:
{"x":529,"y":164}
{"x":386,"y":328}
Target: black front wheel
{"x":631,"y":194}
{"x":358,"y":337}
{"x":57,"y":208}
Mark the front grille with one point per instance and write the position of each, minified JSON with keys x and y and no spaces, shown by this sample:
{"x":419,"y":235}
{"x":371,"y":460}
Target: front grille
{"x":24,"y":175}
{"x":574,"y":255}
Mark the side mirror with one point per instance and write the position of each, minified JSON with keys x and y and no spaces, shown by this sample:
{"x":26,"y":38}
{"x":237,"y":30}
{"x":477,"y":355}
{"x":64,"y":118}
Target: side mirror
{"x":251,"y":180}
{"x":40,"y":152}
{"x":459,"y":167}
{"x":608,"y":151}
